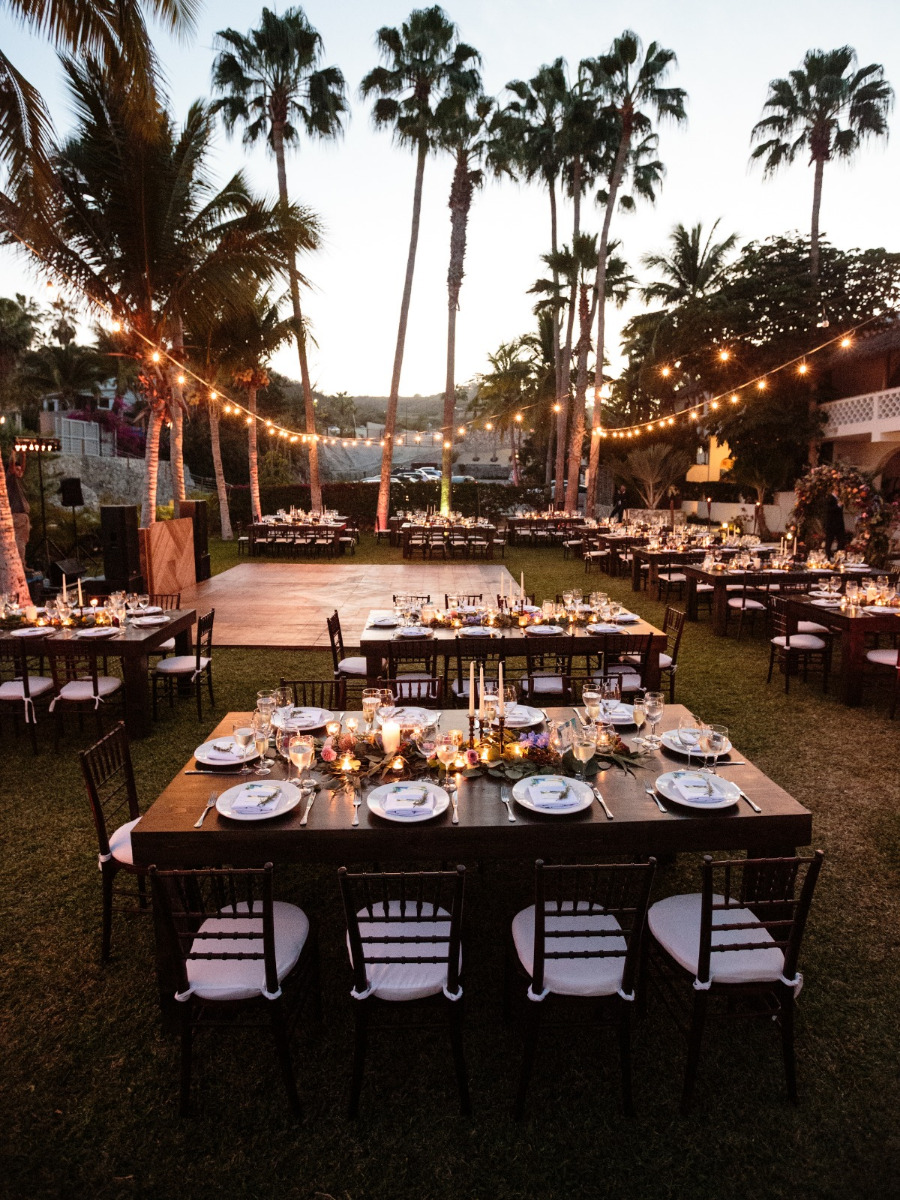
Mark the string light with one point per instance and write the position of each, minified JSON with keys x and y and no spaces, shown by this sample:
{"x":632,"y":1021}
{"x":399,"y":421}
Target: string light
{"x":802,"y":369}
{"x":845,"y":342}
{"x":666,"y":372}
{"x":724,"y":355}
{"x":155,"y":356}
{"x":761,"y":384}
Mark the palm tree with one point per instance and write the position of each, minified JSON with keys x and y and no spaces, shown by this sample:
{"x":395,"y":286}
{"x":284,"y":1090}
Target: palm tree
{"x":462,"y":120}
{"x":654,"y":469}
{"x":140,"y":231}
{"x":692,"y":267}
{"x":629,"y":81}
{"x":71,"y":372}
{"x":423,"y":60}
{"x":12,"y":572}
{"x":825,"y":108}
{"x":109,"y":31}
{"x":274,"y":86}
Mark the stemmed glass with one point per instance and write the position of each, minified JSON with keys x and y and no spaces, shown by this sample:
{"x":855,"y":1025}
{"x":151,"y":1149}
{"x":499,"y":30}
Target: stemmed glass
{"x":689,"y":729}
{"x":426,"y":739}
{"x":654,"y":706}
{"x":143,"y":601}
{"x":715,"y":741}
{"x":301,"y":748}
{"x":590,"y":698}
{"x":261,"y":724}
{"x":243,"y":736}
{"x":446,"y":750}
{"x":371,"y":698}
{"x":609,"y":696}
{"x":584,"y":743}
{"x":639,"y":718}
{"x":386,"y":704}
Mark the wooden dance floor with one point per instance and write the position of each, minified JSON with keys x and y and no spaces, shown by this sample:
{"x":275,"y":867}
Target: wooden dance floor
{"x":285,"y":604}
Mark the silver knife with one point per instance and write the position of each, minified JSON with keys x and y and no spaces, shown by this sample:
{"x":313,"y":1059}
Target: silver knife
{"x":221,"y":774}
{"x":744,"y":796}
{"x":602,"y":803}
{"x":310,"y":802}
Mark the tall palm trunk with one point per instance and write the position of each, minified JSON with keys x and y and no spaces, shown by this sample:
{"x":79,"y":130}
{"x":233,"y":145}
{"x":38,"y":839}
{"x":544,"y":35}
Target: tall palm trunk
{"x":590,"y":502}
{"x":460,"y":203}
{"x":315,"y":486}
{"x":554,"y":246}
{"x":515,"y":456}
{"x":814,"y":228}
{"x":563,"y":418}
{"x":151,"y":463}
{"x":12,"y":573}
{"x":576,"y":446}
{"x":176,"y":441}
{"x":390,"y":417}
{"x":253,"y":456}
{"x":221,"y":488}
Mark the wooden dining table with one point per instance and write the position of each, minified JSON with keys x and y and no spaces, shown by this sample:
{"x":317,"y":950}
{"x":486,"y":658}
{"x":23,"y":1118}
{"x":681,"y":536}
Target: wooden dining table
{"x":133,"y":647}
{"x":849,"y":630}
{"x":510,"y":643}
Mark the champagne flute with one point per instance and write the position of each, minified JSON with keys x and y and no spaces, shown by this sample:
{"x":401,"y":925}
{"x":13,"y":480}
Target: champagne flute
{"x":371,"y":698}
{"x":261,"y":725}
{"x":639,"y":718}
{"x":584,"y":743}
{"x":654,"y":705}
{"x":301,"y":748}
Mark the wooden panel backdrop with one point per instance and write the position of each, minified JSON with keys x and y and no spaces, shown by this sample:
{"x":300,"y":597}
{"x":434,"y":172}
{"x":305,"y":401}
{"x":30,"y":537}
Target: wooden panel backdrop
{"x":167,"y":555}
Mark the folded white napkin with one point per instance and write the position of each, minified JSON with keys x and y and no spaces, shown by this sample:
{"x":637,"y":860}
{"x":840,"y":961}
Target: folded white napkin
{"x":628,"y":616}
{"x":384,"y":623}
{"x":304,"y":718}
{"x":547,"y":792}
{"x":256,"y":798}
{"x":414,"y":631}
{"x":603,"y":628}
{"x":217,"y":754}
{"x":688,"y":739}
{"x":543,"y":630}
{"x":694,"y":787}
{"x":407,"y":799}
{"x":518,"y":714}
{"x":620,"y":710}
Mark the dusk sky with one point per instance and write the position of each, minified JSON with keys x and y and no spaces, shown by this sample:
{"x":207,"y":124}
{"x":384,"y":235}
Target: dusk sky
{"x":362,"y":186}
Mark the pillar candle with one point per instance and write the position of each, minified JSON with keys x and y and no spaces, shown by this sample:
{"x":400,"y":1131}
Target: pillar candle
{"x":390,"y":736}
{"x":481,"y":693}
{"x":522,"y":587}
{"x":65,"y":593}
{"x":472,"y":688}
{"x":80,"y":597}
{"x":501,"y":701}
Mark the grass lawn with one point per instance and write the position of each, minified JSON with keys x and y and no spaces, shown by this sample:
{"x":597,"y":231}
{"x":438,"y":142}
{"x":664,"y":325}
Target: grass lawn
{"x":88,"y":1089}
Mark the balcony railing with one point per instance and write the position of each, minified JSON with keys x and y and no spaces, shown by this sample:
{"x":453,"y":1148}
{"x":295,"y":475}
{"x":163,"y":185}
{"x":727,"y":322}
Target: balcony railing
{"x":876,"y":414}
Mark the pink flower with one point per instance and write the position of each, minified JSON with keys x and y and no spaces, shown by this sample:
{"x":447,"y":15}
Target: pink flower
{"x":329,"y":754}
{"x":472,"y":758}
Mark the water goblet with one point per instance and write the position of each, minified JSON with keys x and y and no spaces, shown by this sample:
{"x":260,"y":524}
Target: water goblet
{"x":590,"y":698}
{"x":654,"y":705}
{"x":717,"y":741}
{"x":689,"y":735}
{"x":242,"y":734}
{"x":301,"y":748}
{"x":584,"y":743}
{"x":446,"y":750}
{"x":371,"y":698}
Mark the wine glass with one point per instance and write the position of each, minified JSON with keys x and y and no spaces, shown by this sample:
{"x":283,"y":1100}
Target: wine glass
{"x":609,"y":696}
{"x":301,"y":748}
{"x":446,"y":751}
{"x":654,"y":705}
{"x":689,"y":735}
{"x":371,"y":698}
{"x":143,"y":601}
{"x":261,"y":726}
{"x":386,"y":704}
{"x":717,"y":742}
{"x":266,"y":705}
{"x":590,"y":698}
{"x":242,"y":733}
{"x":426,"y":737}
{"x":584,"y":743}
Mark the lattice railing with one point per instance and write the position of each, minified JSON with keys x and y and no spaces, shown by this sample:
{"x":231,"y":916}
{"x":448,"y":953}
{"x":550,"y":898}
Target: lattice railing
{"x":870,"y":409}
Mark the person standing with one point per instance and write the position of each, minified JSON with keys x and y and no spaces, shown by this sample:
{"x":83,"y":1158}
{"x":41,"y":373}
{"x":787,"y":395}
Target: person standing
{"x":618,"y":508}
{"x":835,"y":531}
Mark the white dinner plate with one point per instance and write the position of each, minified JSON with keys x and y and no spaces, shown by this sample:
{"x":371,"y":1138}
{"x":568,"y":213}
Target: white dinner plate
{"x":289,"y":798}
{"x":409,"y":714}
{"x":413,"y":631}
{"x":544,"y":630}
{"x":827,"y":603}
{"x":384,"y":623}
{"x":147,"y":622}
{"x":623,"y":714}
{"x":603,"y":629}
{"x":211,"y":757}
{"x":305,"y":719}
{"x":671,"y":741}
{"x":375,"y":799}
{"x":627,"y":618}
{"x":729,"y":793}
{"x":34,"y":631}
{"x":475,"y":631}
{"x":521,"y":716}
{"x":98,"y":631}
{"x":880,"y":608}
{"x":580,"y":793}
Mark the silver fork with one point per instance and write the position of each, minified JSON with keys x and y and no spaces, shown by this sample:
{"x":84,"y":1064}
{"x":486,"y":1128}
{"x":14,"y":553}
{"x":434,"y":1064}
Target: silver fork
{"x":210,"y":801}
{"x":653,"y":796}
{"x":506,"y":797}
{"x":357,"y":801}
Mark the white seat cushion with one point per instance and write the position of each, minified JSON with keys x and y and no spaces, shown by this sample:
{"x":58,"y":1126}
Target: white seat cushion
{"x":665,"y":660}
{"x":629,"y":680}
{"x":242,"y":979}
{"x":748,"y":604}
{"x":405,"y":981}
{"x":704,"y":587}
{"x":165,"y":647}
{"x":673,"y":576}
{"x":83,"y":689}
{"x":800,"y":641}
{"x":352,"y":666}
{"x":675,"y":923}
{"x":885,"y":658}
{"x":547,"y":681}
{"x":120,"y":842}
{"x":181,"y":664}
{"x":37,"y":686}
{"x":812,"y":627}
{"x":572,"y":976}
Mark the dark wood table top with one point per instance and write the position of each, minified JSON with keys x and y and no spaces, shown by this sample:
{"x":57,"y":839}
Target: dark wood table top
{"x":765,"y":575}
{"x":885,"y":621}
{"x":133,"y":640}
{"x":446,"y":637}
{"x":166,"y":835}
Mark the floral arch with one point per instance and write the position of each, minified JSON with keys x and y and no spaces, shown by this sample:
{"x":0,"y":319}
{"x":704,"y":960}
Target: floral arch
{"x":874,"y":515}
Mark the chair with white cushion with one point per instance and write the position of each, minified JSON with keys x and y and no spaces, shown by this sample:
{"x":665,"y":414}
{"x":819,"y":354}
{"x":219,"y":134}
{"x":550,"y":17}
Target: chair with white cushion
{"x":881,"y":659}
{"x":109,"y":779}
{"x":626,"y":655}
{"x":581,"y":940}
{"x":237,"y":950}
{"x":748,"y":603}
{"x":404,"y":938}
{"x":81,"y":681}
{"x":795,"y":651}
{"x":19,"y":688}
{"x":167,"y":601}
{"x":543,"y":682}
{"x":739,"y":938}
{"x":343,"y":665}
{"x":193,"y":667}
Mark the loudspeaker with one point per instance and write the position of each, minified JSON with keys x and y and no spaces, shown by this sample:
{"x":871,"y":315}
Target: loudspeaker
{"x":197,"y":511}
{"x":121,"y":547}
{"x":70,"y":493}
{"x":70,"y":567}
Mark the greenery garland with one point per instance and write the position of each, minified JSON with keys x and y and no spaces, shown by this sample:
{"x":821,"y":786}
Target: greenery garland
{"x":874,"y":515}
